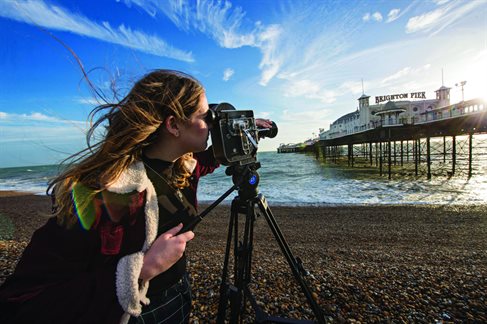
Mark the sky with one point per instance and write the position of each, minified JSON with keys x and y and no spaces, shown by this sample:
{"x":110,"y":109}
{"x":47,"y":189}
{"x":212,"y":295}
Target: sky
{"x":302,"y":64}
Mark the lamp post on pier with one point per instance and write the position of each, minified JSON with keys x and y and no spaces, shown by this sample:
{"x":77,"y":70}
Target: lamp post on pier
{"x":461,"y":84}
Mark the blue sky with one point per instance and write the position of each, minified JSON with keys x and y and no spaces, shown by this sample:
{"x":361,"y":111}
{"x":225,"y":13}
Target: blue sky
{"x":299,"y":63}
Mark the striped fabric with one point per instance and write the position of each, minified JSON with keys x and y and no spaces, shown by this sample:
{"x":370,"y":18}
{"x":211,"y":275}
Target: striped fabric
{"x":170,"y":306}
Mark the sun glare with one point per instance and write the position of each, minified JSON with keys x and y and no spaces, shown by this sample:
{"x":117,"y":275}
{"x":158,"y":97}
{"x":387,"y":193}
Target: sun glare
{"x":476,"y":78}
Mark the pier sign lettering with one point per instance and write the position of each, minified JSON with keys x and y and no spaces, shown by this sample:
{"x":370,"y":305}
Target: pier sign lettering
{"x":412,"y":95}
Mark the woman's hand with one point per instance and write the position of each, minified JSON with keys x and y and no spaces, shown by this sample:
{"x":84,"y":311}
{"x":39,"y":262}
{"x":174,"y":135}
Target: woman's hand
{"x":263,"y":123}
{"x":166,"y":250}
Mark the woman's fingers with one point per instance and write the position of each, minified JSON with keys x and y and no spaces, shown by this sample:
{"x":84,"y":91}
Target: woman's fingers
{"x":187,"y":236}
{"x":173,"y":231}
{"x":166,"y":250}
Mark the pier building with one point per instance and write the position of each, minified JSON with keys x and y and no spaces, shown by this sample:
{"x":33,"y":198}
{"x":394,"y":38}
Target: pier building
{"x":388,"y":112}
{"x":406,"y":133}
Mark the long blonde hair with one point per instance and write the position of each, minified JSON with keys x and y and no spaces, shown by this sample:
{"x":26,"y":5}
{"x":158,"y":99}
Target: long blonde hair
{"x":131,"y":125}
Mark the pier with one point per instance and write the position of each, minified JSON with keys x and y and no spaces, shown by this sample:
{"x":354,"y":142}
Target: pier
{"x":444,"y":141}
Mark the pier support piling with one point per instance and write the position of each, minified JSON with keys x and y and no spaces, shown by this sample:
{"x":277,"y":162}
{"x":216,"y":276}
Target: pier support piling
{"x":428,"y":157}
{"x":389,"y":164}
{"x":380,"y":158}
{"x":415,"y":154}
{"x":453,"y":154}
{"x":470,"y":146}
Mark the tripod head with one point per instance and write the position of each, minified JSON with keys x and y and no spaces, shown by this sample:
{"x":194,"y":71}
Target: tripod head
{"x":246,"y":178}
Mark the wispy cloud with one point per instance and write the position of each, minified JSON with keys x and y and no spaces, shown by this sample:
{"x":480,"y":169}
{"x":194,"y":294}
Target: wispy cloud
{"x":217,"y":19}
{"x":222,"y":22}
{"x":308,"y":89}
{"x":88,"y":101}
{"x":393,"y":15}
{"x":310,"y":56}
{"x":7,"y":118}
{"x":377,"y":16}
{"x":446,"y":14}
{"x":38,"y":126}
{"x":405,"y":72}
{"x":227,"y":74}
{"x":440,"y":2}
{"x":38,"y":12}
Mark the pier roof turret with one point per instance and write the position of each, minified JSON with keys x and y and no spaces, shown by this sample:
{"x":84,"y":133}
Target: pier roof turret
{"x":443,"y":88}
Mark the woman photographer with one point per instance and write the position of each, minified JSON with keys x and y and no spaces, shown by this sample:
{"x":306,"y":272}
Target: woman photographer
{"x":113,"y":243}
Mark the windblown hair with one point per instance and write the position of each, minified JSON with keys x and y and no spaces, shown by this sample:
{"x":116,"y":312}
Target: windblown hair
{"x":130,"y":125}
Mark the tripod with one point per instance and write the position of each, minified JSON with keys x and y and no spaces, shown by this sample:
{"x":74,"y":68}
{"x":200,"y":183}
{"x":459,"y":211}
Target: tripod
{"x":236,"y":294}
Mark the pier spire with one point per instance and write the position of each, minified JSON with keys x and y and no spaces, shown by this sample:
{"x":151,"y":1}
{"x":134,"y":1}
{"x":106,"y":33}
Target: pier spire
{"x":443,"y":93}
{"x":363,"y":101}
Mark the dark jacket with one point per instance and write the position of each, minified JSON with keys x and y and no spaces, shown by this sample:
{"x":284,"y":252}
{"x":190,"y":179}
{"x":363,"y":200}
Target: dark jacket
{"x":89,"y":274}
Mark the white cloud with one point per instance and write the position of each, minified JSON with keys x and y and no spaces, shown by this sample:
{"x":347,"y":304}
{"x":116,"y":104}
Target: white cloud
{"x":216,"y":19}
{"x":38,"y":128}
{"x":35,"y":116}
{"x":440,"y":2}
{"x":271,"y":61}
{"x":88,"y":101}
{"x":426,"y":21}
{"x":309,"y":89}
{"x":223,"y":23}
{"x":227,"y":74}
{"x":377,"y":16}
{"x":399,"y":74}
{"x":447,"y":14}
{"x":405,"y":72}
{"x":397,"y":13}
{"x":354,"y":87}
{"x":39,"y":13}
{"x":393,"y":15}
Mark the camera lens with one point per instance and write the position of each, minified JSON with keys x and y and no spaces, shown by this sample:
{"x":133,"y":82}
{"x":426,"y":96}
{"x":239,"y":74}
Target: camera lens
{"x":210,"y":117}
{"x":268,"y":132}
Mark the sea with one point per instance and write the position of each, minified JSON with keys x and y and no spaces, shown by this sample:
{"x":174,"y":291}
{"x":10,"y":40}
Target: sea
{"x":297,"y":179}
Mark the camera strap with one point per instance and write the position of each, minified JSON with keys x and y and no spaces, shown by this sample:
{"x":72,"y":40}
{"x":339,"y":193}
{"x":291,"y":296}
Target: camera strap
{"x":174,"y":207}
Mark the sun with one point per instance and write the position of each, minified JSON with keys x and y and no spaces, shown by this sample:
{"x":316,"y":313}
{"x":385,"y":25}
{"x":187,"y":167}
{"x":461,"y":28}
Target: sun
{"x":476,"y":80}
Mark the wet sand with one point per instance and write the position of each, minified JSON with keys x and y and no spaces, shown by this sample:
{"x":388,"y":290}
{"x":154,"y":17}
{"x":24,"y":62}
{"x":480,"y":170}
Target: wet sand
{"x":367,"y":263}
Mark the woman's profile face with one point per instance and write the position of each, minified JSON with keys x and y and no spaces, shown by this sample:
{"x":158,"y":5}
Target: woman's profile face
{"x":194,"y":135}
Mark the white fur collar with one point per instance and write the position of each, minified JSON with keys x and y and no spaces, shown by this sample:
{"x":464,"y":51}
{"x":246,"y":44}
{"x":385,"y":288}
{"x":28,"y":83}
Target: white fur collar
{"x":131,"y":293}
{"x":135,"y":178}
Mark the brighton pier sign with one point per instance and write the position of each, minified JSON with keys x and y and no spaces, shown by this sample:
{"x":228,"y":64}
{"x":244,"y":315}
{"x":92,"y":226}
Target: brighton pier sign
{"x":412,"y":95}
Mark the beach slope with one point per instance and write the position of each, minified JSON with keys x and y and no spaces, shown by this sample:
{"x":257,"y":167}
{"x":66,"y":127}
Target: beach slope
{"x":367,"y":263}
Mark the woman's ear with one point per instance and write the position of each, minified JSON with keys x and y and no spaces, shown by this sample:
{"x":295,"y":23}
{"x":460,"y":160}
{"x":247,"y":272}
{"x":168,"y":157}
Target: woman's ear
{"x":172,"y":125}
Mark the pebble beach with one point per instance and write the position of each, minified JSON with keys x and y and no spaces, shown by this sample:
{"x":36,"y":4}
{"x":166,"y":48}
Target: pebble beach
{"x":367,"y":263}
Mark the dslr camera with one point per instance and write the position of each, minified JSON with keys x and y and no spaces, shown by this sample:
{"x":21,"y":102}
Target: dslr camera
{"x":234,"y":134}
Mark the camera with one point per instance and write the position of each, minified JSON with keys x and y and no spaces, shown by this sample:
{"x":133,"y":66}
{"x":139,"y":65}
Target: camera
{"x":234,"y":134}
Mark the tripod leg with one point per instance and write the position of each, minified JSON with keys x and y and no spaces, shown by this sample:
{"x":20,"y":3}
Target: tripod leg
{"x":294,"y":265}
{"x":237,"y":292}
{"x":224,"y":286}
{"x":243,"y":257}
